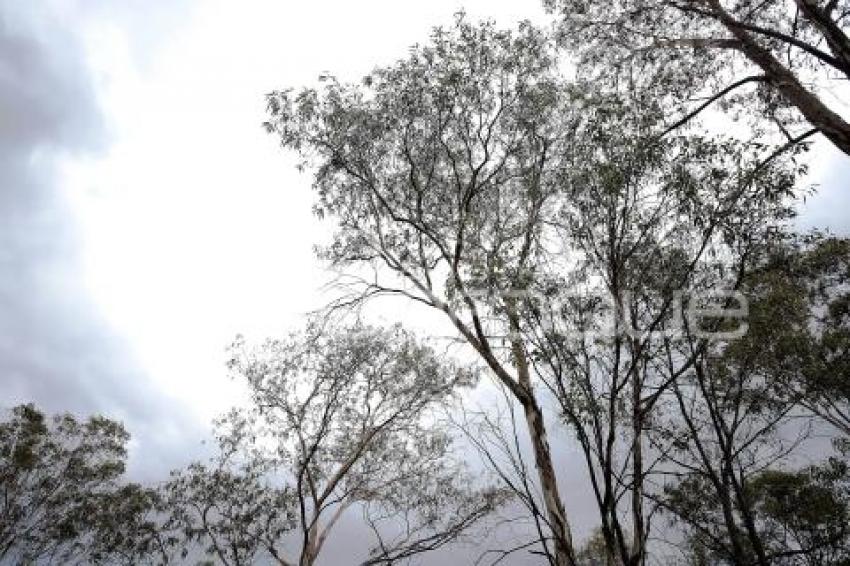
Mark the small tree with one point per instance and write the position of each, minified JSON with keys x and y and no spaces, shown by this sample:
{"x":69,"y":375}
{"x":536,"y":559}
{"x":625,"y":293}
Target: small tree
{"x":805,"y":280}
{"x":229,"y":509}
{"x":60,"y":482}
{"x":128,"y":528}
{"x":798,"y":518}
{"x":748,"y":402}
{"x":805,"y":515}
{"x":340,"y":420}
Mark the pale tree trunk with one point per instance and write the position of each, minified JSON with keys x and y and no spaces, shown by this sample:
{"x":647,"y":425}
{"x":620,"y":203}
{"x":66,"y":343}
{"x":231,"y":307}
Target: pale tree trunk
{"x":556,"y":515}
{"x":310,"y":550}
{"x":522,"y":390}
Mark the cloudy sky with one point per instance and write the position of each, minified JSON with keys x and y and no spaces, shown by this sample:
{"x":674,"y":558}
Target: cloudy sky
{"x":146,"y":218}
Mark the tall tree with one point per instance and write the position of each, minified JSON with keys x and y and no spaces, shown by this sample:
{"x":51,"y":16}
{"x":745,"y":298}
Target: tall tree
{"x":437,"y":169}
{"x":474,"y":178}
{"x":779,"y":58}
{"x":654,"y":228}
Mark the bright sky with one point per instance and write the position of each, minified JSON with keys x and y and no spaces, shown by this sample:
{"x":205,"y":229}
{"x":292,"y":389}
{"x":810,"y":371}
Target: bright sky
{"x":194,"y":225}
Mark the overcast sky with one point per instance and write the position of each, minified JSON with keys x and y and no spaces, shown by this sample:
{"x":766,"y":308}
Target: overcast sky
{"x":146,"y":218}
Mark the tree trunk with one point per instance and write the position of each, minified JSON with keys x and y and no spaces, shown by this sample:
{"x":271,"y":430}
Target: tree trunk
{"x":835,"y":128}
{"x":836,"y":39}
{"x":308,"y":553}
{"x":523,"y":392}
{"x":564,"y":552}
{"x":638,"y":523}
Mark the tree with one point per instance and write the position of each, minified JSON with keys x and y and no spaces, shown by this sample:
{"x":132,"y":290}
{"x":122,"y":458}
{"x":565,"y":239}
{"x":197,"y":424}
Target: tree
{"x":474,"y":178}
{"x":129,"y":529}
{"x":61,"y":490}
{"x":341,"y":419}
{"x":728,"y":430}
{"x":230,"y":509}
{"x":655,"y":228}
{"x":747,"y":404}
{"x":806,"y":514}
{"x":438,"y":169}
{"x":774,"y":57}
{"x":799,"y":517}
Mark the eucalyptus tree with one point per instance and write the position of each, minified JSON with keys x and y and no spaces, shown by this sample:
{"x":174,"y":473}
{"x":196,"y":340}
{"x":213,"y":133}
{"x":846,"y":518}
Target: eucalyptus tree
{"x":129,"y":528}
{"x":805,"y":514}
{"x":747,"y":405}
{"x":781,"y":59}
{"x":729,"y":428}
{"x":228,"y":509}
{"x":339,"y":419}
{"x":438,"y":171}
{"x":473,"y":178}
{"x":805,"y":279}
{"x":798,"y":517}
{"x":658,"y":233}
{"x":61,"y":481}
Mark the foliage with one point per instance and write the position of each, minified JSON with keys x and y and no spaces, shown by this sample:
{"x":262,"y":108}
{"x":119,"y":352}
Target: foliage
{"x":568,"y":228}
{"x":475,"y":178}
{"x":63,"y":499}
{"x":801,"y":517}
{"x":232,"y":512}
{"x":749,"y":404}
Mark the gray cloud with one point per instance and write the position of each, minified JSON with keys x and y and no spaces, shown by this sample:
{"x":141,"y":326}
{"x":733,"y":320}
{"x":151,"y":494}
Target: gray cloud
{"x":55,"y":348}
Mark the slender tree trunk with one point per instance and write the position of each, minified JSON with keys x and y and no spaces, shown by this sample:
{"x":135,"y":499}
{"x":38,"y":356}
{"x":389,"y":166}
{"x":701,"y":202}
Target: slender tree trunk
{"x":308,"y":554}
{"x":735,"y":536}
{"x":746,"y":512}
{"x":548,"y":483}
{"x":556,"y":515}
{"x":638,"y":524}
{"x":718,"y":479}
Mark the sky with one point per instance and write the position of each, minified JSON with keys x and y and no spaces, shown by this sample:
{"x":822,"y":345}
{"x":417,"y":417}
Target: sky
{"x":146,"y":218}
